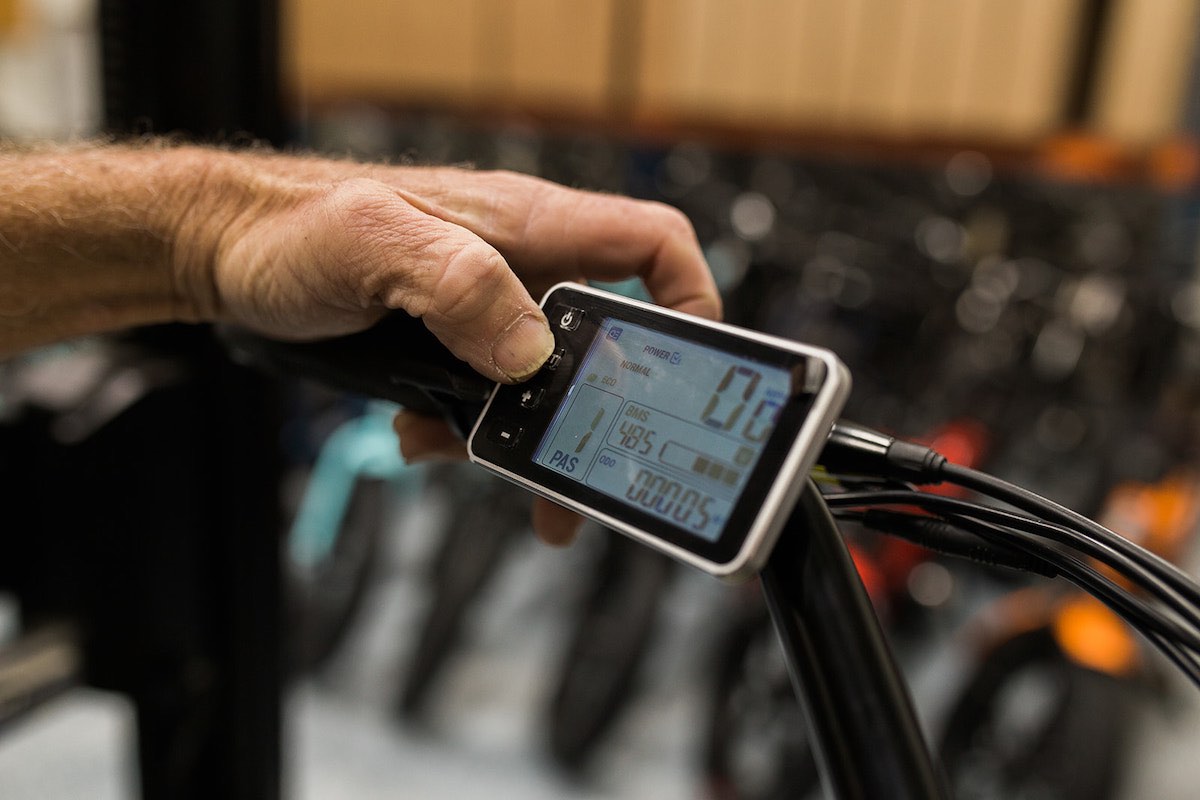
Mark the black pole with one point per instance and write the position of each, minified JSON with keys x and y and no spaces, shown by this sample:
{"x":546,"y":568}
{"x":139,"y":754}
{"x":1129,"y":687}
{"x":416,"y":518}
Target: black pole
{"x":209,"y":709}
{"x":865,"y":733}
{"x":202,"y":69}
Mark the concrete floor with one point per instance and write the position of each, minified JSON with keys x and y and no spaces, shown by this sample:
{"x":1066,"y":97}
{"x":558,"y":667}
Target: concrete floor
{"x":483,"y":737}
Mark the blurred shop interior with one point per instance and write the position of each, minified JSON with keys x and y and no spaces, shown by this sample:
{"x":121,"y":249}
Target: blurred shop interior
{"x":217,"y":582}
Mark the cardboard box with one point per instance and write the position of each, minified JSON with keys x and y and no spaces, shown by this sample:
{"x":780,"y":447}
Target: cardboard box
{"x":384,"y":49}
{"x":1144,"y":71}
{"x":941,"y":68}
{"x":545,"y":53}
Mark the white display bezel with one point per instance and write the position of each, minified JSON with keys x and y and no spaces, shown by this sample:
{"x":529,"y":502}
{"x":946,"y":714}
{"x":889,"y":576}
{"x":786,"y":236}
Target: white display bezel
{"x":762,"y":533}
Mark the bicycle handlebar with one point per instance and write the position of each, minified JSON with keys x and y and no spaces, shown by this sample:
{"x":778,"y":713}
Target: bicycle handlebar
{"x":397,"y":359}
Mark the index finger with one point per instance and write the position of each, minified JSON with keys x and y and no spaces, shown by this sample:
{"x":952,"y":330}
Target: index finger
{"x":551,"y":233}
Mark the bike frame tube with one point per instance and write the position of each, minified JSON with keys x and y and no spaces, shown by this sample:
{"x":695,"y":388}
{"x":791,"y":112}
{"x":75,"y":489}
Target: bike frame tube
{"x":865,"y":733}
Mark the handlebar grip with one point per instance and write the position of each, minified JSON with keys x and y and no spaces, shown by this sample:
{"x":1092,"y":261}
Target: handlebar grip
{"x":397,"y":359}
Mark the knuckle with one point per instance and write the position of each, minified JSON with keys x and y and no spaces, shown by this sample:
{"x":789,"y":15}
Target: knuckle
{"x":512,"y":200}
{"x":472,"y":279}
{"x":366,"y":239}
{"x":512,"y":178}
{"x":361,"y":206}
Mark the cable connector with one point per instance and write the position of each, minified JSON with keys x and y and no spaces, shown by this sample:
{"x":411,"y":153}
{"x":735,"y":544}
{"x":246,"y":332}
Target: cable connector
{"x":853,"y":449}
{"x":943,"y":537}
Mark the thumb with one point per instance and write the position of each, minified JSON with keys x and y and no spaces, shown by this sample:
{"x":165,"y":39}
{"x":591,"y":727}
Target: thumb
{"x":477,"y":307}
{"x":458,"y":284}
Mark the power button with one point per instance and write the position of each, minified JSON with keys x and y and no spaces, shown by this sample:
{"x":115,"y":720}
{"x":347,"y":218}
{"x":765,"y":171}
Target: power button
{"x":567,"y":317}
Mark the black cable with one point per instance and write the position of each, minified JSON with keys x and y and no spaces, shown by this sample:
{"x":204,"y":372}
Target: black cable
{"x":1167,"y":635}
{"x":1091,"y":580}
{"x":943,"y":536}
{"x":1185,"y":663}
{"x":1132,"y":567}
{"x":854,"y":449}
{"x":1033,"y":503}
{"x":1061,"y":562}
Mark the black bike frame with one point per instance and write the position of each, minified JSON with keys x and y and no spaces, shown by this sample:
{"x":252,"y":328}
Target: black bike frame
{"x":865,"y":734}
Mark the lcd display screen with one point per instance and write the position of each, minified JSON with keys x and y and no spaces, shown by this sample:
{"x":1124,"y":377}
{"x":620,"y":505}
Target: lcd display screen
{"x":665,"y":425}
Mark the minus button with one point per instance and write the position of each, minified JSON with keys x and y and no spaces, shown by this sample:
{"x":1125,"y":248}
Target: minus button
{"x":504,"y":433}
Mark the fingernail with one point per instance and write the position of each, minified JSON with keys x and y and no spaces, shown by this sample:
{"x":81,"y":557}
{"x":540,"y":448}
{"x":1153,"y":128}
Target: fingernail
{"x":523,"y":347}
{"x":563,"y":534}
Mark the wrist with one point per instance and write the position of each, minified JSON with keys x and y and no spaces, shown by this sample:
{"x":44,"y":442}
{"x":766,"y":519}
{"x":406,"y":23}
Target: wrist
{"x":88,"y":233}
{"x":218,"y":198}
{"x":208,"y":193}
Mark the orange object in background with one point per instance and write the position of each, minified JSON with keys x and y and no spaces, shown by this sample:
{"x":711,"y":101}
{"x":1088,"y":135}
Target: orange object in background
{"x":1094,"y":637}
{"x":1085,"y":157}
{"x":1160,"y":517}
{"x":1174,"y":165}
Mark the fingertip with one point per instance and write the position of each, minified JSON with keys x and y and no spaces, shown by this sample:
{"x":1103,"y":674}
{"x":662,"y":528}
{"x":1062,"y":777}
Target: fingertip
{"x":707,"y":305}
{"x":405,"y":421}
{"x":553,"y":524}
{"x":425,"y":439}
{"x":523,"y":347}
{"x":682,"y":279}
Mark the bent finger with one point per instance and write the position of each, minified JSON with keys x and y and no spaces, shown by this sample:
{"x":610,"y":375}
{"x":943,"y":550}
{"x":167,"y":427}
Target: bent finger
{"x":398,"y":256}
{"x":549,"y":229}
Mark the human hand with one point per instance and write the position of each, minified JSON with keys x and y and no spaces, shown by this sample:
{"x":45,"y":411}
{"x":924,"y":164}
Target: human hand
{"x":324,"y":248}
{"x":330,"y":251}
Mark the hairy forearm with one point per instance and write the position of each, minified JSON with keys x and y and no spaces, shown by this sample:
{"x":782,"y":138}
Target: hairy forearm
{"x":96,"y":238}
{"x":86,"y":238}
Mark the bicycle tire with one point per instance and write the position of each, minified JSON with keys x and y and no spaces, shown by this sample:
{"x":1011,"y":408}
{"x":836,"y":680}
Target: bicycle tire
{"x":1072,"y":742}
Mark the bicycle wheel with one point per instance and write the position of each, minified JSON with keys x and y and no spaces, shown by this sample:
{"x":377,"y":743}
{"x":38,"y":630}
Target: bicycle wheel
{"x":485,"y":515}
{"x":1033,"y":724}
{"x":323,"y":599}
{"x":612,"y":637}
{"x":758,"y":746}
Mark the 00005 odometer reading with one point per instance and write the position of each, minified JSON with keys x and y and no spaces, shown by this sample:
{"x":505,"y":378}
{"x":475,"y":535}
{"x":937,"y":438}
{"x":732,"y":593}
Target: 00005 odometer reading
{"x":665,"y":425}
